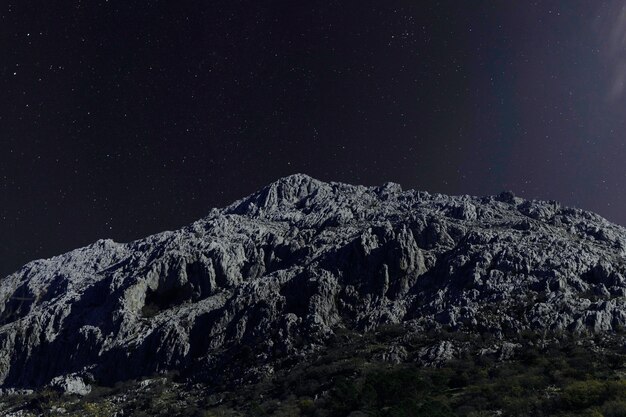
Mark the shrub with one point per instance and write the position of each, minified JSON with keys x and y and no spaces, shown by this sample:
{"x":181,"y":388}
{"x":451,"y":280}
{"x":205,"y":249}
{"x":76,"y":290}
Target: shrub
{"x":583,"y":394}
{"x":614,"y":409}
{"x":306,"y":405}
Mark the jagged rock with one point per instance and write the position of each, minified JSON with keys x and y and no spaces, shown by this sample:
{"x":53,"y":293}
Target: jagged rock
{"x":394,"y":354}
{"x":274,"y":275}
{"x":13,"y":391}
{"x":503,"y":351}
{"x":438,"y":354}
{"x":71,"y":384}
{"x":58,"y":410}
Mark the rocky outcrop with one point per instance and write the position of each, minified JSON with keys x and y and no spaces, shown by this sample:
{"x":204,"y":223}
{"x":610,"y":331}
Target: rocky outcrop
{"x":71,"y":385}
{"x":275,"y":274}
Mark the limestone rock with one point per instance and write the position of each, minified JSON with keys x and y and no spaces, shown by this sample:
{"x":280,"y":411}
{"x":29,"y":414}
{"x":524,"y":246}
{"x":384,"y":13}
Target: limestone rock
{"x":70,"y":384}
{"x":274,"y":275}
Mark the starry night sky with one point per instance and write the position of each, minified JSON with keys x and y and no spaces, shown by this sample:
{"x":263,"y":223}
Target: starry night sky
{"x":124,"y":118}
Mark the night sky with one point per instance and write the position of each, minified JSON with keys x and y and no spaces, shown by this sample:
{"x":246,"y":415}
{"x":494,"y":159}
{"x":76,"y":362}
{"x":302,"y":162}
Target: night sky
{"x":119,"y":119}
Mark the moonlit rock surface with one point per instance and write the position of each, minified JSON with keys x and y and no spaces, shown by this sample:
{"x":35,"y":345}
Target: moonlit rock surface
{"x":279,"y":271}
{"x":71,"y":384}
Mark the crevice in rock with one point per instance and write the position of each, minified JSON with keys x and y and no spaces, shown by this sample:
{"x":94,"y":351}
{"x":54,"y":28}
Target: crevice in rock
{"x":199,"y":284}
{"x":18,"y":305}
{"x":161,"y":300}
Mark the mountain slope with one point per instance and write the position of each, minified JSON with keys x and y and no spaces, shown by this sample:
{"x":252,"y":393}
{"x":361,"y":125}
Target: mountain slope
{"x":273,"y":276}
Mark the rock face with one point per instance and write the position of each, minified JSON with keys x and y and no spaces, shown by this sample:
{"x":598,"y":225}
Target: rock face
{"x":71,"y":384}
{"x":275,"y":274}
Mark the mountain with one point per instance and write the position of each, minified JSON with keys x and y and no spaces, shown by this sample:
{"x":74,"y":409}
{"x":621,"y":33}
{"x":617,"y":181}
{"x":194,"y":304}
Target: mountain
{"x":275,"y":276}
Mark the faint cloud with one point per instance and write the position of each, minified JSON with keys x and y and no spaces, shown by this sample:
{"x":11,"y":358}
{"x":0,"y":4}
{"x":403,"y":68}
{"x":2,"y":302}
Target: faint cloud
{"x":611,"y":22}
{"x":618,"y":82}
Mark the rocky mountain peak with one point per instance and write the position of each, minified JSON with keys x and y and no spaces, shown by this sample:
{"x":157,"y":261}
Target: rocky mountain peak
{"x":279,"y":272}
{"x":285,"y":192}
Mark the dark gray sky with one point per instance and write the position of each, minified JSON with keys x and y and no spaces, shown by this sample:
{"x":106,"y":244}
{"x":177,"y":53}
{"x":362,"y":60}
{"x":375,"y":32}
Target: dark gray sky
{"x":123,"y":118}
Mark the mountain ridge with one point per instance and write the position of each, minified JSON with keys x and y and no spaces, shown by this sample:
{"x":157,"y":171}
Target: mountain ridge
{"x":279,"y":271}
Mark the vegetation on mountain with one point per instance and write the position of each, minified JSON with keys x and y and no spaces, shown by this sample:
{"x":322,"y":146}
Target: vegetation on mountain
{"x":555,"y":375}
